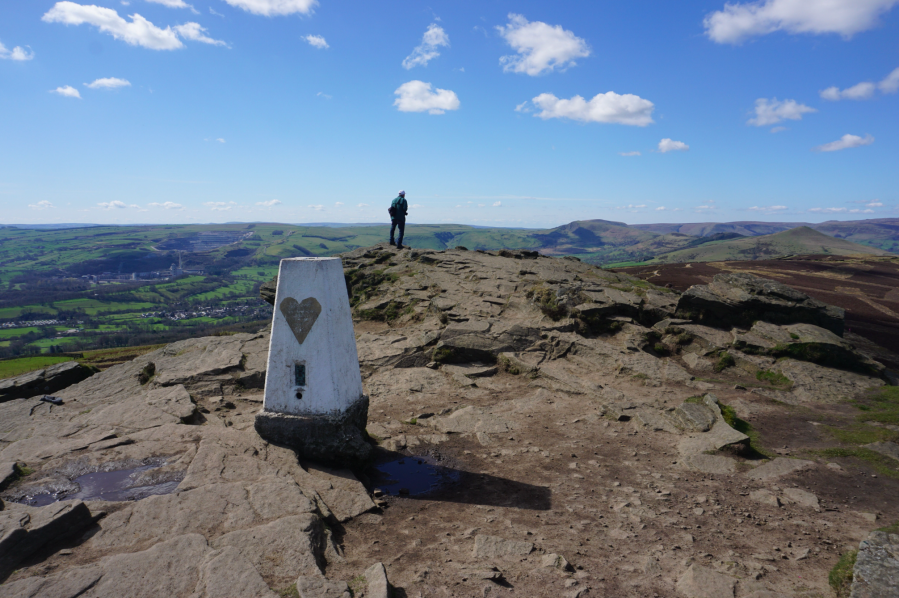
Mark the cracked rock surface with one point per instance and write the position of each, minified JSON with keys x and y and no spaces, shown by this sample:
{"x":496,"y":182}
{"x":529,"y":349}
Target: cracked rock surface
{"x":597,"y":446}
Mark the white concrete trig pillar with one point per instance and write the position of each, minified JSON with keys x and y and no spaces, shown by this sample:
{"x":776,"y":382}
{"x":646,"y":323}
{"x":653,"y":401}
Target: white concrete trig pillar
{"x":313,"y":387}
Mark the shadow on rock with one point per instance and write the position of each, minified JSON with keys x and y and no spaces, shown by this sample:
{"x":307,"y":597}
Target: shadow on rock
{"x":428,"y":478}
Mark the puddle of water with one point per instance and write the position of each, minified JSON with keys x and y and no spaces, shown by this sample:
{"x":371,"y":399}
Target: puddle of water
{"x":106,"y":485}
{"x":413,"y":476}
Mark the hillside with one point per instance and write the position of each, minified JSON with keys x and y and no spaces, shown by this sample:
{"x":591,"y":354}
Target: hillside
{"x":796,"y":241}
{"x":882,"y":233}
{"x":704,"y":229}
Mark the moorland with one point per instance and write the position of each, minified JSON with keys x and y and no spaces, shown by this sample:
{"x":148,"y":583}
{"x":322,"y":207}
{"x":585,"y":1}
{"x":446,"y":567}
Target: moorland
{"x":80,"y":288}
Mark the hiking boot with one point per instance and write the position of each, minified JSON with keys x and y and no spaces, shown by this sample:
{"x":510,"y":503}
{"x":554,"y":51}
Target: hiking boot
{"x":391,"y":243}
{"x":398,"y":246}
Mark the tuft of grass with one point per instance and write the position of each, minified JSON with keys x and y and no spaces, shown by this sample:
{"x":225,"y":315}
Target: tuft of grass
{"x":881,"y":463}
{"x":794,"y":336}
{"x":880,"y":406}
{"x":725,"y":360}
{"x":862,"y":434}
{"x":147,"y":373}
{"x":890,"y":529}
{"x":697,"y":400}
{"x":388,"y":313}
{"x":506,"y":365}
{"x":290,"y":591}
{"x":776,"y":379}
{"x":546,"y":300}
{"x":661,"y":349}
{"x":23,"y":470}
{"x":840,"y":577}
{"x":755,"y":450}
{"x":357,"y":585}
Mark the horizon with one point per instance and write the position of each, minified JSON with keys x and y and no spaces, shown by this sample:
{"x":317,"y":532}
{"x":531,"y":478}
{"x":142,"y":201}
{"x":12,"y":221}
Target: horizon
{"x":413,"y":224}
{"x":512,"y":115}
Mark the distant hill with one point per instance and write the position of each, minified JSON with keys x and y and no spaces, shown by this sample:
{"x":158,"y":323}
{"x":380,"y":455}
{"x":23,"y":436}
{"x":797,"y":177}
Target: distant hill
{"x":882,"y":233}
{"x":705,"y":229}
{"x":585,"y":236}
{"x":795,"y":241}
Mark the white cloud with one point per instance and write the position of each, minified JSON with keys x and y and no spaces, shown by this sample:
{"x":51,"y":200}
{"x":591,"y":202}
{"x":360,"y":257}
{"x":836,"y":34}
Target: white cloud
{"x":362,"y":205}
{"x":194,"y":32}
{"x":497,"y":204}
{"x":67,"y":91}
{"x":767,"y":208}
{"x":169,"y":205}
{"x":668,"y":145}
{"x":318,"y":208}
{"x":270,"y":203}
{"x":416,"y":96}
{"x":139,"y":32}
{"x":522,"y":107}
{"x":213,"y":11}
{"x":857,"y":211}
{"x":773,"y":111}
{"x":316,"y":41}
{"x":609,"y":107}
{"x":271,"y":8}
{"x":890,"y":84}
{"x":41,"y":205}
{"x":827,"y":210}
{"x":541,"y":48}
{"x":864,"y":90}
{"x":17,"y":53}
{"x":338,"y":204}
{"x":433,"y":38}
{"x":220,"y":140}
{"x":845,"y":142}
{"x":861,"y":91}
{"x":875,"y":204}
{"x":631,"y":207}
{"x":322,"y":94}
{"x":629,"y":154}
{"x":108,"y":83}
{"x":738,"y":22}
{"x":115,"y":205}
{"x":171,"y":3}
{"x":661,"y":209}
{"x":417,"y":206}
{"x":219,"y":206}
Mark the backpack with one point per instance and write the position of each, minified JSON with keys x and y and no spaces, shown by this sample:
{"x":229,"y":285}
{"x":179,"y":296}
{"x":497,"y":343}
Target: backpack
{"x":392,"y":211}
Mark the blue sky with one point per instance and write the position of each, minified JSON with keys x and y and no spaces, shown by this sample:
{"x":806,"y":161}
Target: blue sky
{"x":498,"y":113}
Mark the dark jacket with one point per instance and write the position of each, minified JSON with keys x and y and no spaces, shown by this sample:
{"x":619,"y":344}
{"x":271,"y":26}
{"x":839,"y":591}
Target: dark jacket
{"x":402,"y":208}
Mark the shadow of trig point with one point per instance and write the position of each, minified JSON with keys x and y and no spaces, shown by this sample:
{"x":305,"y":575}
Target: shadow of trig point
{"x":313,"y":388}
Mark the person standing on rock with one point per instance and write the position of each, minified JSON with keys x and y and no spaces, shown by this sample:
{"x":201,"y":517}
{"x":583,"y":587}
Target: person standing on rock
{"x":398,"y":210}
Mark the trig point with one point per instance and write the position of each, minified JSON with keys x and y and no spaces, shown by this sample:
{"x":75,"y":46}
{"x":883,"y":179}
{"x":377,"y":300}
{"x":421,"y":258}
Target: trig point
{"x":313,"y":387}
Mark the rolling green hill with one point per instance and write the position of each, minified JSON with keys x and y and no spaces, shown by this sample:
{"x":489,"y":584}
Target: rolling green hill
{"x":796,"y":241}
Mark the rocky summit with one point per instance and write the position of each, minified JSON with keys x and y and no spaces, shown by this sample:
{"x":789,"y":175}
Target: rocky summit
{"x":540,"y":427}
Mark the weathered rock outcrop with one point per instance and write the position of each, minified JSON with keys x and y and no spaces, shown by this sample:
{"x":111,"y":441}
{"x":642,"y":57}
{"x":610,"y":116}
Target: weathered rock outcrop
{"x":740,"y":299}
{"x":876,"y":572}
{"x":46,"y":381}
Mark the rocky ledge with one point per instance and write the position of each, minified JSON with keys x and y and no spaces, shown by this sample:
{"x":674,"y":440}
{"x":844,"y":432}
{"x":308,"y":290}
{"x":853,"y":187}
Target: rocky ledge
{"x":594,"y":442}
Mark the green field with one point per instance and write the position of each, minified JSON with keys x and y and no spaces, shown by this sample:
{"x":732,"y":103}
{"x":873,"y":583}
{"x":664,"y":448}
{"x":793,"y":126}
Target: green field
{"x":45,"y":273}
{"x":16,"y":367}
{"x":6,"y":333}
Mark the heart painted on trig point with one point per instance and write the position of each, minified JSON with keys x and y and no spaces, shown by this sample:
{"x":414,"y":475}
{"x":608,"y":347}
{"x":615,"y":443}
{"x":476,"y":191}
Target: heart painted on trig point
{"x":301,"y":316}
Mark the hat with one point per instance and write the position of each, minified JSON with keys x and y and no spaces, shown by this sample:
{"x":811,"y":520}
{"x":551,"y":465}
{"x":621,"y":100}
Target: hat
{"x":402,"y":192}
